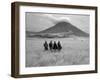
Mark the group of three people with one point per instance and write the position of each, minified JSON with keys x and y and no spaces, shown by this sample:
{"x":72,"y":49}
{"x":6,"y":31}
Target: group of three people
{"x":52,"y":46}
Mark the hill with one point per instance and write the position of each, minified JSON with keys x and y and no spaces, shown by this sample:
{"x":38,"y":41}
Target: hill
{"x":61,"y":29}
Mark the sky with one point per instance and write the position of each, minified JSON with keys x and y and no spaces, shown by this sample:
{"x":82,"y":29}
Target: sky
{"x":40,"y":21}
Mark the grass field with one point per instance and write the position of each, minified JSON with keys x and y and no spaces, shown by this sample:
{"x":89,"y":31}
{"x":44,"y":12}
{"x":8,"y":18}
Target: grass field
{"x":75,"y":51}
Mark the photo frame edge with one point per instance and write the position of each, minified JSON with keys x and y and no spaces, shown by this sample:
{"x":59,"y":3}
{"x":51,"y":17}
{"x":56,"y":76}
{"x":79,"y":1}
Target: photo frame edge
{"x":15,"y":40}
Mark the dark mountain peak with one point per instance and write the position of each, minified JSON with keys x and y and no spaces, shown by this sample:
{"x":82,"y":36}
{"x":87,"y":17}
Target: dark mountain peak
{"x":65,"y":27}
{"x":63,"y":23}
{"x":57,"y":28}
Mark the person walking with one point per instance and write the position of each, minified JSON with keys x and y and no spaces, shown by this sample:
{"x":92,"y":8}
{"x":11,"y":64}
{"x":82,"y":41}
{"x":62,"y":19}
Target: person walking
{"x":59,"y":45}
{"x":54,"y":46}
{"x":45,"y":45}
{"x":50,"y":45}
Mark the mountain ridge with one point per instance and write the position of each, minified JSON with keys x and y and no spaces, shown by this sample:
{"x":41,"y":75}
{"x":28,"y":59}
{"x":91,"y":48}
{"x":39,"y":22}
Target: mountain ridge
{"x":61,"y":29}
{"x":65,"y":27}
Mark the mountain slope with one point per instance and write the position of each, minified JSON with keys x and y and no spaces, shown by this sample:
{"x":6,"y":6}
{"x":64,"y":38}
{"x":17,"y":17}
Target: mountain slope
{"x":65,"y":27}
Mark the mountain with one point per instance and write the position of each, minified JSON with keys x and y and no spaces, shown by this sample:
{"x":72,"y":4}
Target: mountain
{"x":65,"y":27}
{"x":61,"y":29}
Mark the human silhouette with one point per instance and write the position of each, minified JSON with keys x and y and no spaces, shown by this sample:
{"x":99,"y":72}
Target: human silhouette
{"x":51,"y":45}
{"x":54,"y":46}
{"x":59,"y":45}
{"x":46,"y":45}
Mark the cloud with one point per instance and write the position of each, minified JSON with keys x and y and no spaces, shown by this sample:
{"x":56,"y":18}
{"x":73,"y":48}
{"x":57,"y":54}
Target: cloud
{"x":56,"y":19}
{"x":66,"y":19}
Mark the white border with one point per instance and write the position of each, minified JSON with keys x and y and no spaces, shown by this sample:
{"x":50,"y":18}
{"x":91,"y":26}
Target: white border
{"x":36,"y":70}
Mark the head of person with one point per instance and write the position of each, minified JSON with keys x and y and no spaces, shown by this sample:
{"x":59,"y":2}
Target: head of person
{"x":58,"y":41}
{"x":51,"y":41}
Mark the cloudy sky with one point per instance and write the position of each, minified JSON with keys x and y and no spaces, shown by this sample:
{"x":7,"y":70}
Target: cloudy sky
{"x":40,"y":21}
